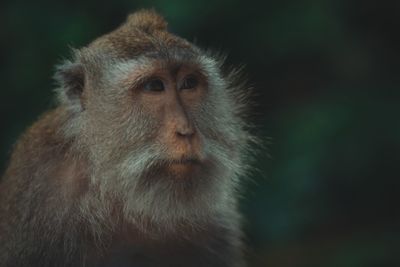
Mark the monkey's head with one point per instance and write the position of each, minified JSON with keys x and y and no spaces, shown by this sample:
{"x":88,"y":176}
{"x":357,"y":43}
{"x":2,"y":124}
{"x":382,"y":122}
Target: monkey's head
{"x":161,"y":125}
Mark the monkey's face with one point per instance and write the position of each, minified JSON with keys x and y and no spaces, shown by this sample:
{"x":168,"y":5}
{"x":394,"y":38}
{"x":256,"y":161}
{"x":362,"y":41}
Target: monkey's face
{"x":162,"y":131}
{"x":162,"y":136}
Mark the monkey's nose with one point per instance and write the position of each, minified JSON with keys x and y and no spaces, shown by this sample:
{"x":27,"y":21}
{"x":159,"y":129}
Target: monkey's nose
{"x":183,"y":127}
{"x":185,"y":131}
{"x":185,"y":143}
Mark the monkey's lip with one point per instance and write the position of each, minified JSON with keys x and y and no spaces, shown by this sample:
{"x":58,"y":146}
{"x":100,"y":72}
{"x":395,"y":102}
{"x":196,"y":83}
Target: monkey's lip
{"x":183,"y":167}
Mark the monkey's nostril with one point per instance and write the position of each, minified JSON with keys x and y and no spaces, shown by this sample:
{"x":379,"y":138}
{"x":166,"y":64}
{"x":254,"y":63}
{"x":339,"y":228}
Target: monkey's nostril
{"x":185,"y":132}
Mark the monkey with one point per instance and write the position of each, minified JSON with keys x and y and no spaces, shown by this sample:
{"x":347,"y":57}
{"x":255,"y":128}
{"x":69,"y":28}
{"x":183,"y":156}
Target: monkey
{"x":140,"y":162}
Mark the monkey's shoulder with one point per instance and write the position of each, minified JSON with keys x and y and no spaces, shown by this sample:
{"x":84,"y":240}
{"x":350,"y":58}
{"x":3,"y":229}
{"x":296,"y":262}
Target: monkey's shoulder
{"x":43,"y":136}
{"x":46,"y":131}
{"x":40,"y":149}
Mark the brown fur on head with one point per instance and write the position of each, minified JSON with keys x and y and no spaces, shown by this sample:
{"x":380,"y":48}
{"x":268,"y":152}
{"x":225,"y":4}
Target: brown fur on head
{"x":147,"y":20}
{"x":169,"y":155}
{"x":144,"y":30}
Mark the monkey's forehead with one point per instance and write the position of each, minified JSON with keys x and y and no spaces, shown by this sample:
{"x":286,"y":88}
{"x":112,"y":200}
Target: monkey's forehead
{"x":154,"y":63}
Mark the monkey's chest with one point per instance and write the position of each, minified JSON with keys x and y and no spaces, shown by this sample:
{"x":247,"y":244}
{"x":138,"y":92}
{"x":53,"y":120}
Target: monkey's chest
{"x":174,"y":254}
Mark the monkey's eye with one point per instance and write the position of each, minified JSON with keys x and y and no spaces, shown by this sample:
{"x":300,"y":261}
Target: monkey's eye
{"x":190,"y":82}
{"x":154,"y":85}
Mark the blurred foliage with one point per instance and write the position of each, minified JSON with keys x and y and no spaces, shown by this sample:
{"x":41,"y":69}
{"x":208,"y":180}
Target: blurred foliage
{"x":326,"y":76}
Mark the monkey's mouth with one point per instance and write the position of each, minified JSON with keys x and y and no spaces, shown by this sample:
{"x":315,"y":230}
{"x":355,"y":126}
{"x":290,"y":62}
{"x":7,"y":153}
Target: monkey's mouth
{"x":183,"y":166}
{"x":185,"y":161}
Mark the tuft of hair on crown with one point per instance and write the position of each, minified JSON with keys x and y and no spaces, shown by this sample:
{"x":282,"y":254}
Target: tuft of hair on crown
{"x":147,"y":20}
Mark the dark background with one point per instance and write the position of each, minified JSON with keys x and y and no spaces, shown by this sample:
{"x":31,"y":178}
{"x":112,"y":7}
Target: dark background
{"x":327,"y":79}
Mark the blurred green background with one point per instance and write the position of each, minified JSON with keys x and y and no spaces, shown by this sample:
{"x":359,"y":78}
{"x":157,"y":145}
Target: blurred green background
{"x":327,"y":79}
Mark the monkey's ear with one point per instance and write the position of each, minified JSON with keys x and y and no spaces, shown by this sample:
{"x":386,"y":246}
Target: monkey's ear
{"x":71,"y":80}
